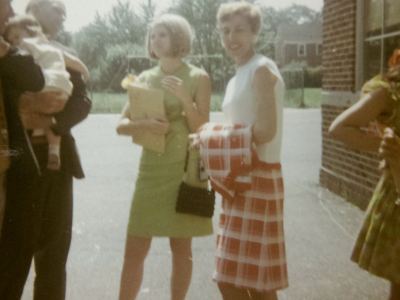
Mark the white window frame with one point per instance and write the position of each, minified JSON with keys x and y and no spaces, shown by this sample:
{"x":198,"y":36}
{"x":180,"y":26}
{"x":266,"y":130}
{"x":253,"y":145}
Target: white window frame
{"x":361,"y":39}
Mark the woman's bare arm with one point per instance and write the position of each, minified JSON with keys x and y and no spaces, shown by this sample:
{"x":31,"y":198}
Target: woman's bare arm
{"x":198,"y":112}
{"x":347,"y":127}
{"x":265,"y":126}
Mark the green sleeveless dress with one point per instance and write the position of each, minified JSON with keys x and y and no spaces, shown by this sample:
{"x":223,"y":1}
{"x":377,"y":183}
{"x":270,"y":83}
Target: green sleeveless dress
{"x":153,"y":207}
{"x":377,"y":248}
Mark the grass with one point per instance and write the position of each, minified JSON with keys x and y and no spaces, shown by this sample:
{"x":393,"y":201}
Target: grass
{"x":108,"y":102}
{"x":114,"y":102}
{"x":310,"y":99}
{"x":216,"y":101}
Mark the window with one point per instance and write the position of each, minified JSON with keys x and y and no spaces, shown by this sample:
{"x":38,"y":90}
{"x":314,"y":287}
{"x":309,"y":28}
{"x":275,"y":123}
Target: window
{"x":381,"y":34}
{"x":301,"y":50}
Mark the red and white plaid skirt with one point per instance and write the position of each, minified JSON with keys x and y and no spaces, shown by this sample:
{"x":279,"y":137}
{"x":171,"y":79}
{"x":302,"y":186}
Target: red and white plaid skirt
{"x":250,"y":244}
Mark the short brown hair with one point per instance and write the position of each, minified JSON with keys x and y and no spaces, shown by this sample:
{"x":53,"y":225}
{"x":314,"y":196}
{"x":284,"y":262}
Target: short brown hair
{"x":180,"y":33}
{"x":241,"y":8}
{"x":25,"y":22}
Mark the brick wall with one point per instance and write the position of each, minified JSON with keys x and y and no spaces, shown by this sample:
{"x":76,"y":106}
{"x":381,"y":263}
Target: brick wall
{"x":351,"y":174}
{"x":339,"y":47}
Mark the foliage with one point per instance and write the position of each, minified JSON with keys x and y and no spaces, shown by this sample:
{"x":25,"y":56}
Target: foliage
{"x":299,"y":75}
{"x":105,"y":44}
{"x":113,"y":43}
{"x":273,"y":18}
{"x":307,"y":98}
{"x":207,"y":50}
{"x":114,"y":102}
{"x":313,"y":77}
{"x":65,"y":38}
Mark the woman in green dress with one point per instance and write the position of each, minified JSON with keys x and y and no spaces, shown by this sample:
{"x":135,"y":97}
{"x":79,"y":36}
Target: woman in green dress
{"x":377,"y":248}
{"x":187,"y":92}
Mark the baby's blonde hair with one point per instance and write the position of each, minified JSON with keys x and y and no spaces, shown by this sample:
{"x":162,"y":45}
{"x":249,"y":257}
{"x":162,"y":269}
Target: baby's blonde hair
{"x":180,"y":33}
{"x":25,"y":22}
{"x":241,"y":8}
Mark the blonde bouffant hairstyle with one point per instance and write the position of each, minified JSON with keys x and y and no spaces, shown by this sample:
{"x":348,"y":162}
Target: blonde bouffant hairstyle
{"x":241,"y":8}
{"x":180,"y":33}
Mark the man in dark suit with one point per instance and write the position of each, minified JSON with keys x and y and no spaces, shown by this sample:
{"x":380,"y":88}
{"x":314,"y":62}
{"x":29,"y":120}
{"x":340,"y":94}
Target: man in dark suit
{"x":38,"y":214}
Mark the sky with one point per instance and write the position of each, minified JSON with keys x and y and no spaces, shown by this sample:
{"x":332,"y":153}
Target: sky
{"x":82,"y":12}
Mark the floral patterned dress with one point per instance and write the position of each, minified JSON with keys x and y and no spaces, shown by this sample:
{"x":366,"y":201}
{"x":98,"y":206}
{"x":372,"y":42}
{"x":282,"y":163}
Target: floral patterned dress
{"x":377,"y":248}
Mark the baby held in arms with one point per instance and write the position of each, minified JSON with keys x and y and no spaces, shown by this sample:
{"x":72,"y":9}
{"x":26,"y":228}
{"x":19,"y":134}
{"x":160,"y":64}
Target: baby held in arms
{"x":24,"y":32}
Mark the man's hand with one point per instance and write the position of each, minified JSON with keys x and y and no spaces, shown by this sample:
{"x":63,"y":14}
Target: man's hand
{"x":42,"y":103}
{"x":36,"y":120}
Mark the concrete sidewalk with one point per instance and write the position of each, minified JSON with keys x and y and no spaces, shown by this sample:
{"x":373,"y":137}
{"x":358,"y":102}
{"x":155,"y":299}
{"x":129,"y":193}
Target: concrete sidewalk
{"x":320,"y":227}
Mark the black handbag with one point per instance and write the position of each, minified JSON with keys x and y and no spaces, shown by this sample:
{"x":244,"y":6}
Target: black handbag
{"x":194,"y":197}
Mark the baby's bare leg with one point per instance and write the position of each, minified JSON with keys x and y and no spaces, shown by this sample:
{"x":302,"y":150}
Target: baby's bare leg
{"x":53,"y":160}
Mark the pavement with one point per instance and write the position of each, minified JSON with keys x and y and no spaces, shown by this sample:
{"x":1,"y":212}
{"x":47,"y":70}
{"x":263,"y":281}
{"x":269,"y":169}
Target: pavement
{"x":320,"y":227}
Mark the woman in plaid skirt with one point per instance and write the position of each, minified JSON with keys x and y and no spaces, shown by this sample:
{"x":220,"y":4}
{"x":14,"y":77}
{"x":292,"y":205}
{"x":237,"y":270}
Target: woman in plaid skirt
{"x":250,"y":259}
{"x":377,"y":249}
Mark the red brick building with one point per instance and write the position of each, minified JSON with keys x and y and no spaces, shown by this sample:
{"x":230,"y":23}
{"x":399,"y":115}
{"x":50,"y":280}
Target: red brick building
{"x":358,"y":38}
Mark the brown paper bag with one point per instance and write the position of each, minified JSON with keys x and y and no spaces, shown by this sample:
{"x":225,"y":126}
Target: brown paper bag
{"x":147,"y":102}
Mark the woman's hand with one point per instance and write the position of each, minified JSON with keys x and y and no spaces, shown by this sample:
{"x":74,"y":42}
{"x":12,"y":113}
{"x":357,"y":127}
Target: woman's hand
{"x":389,"y":150}
{"x":390,"y":147}
{"x":175,"y":86}
{"x":194,"y":141}
{"x":126,"y":126}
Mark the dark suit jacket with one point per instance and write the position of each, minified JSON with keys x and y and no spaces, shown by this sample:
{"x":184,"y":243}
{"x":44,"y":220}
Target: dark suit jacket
{"x":19,"y":74}
{"x":76,"y":109}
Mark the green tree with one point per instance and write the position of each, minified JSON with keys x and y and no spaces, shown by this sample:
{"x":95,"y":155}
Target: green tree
{"x":148,"y":9}
{"x":273,"y":18}
{"x":105,"y":44}
{"x":207,"y":51}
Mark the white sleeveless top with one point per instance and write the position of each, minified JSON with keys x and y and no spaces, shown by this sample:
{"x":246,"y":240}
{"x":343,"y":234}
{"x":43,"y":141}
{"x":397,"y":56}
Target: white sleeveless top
{"x":240,"y":105}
